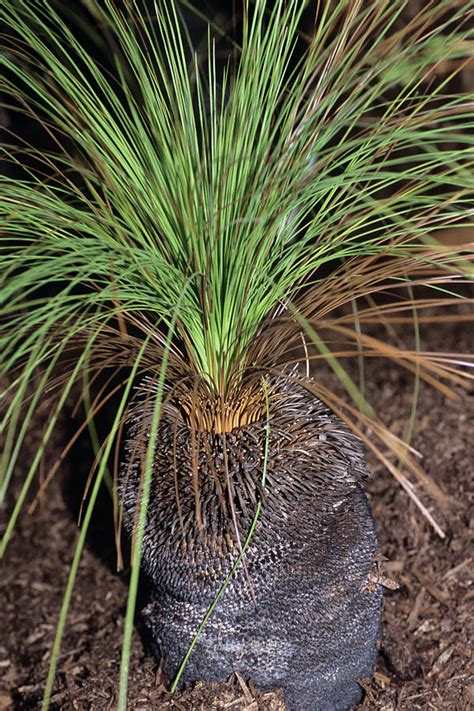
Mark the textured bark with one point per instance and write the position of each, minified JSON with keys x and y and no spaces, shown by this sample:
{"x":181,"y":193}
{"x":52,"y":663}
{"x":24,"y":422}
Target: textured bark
{"x":303,"y":615}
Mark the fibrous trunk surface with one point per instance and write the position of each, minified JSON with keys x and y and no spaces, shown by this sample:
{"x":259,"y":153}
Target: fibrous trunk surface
{"x":302,"y":613}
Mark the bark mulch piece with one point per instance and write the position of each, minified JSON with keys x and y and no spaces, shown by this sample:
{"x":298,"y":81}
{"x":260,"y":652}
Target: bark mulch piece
{"x":425,"y":655}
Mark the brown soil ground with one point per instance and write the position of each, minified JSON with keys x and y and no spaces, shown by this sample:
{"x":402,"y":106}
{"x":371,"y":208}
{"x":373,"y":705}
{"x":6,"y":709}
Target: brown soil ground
{"x":425,"y":658}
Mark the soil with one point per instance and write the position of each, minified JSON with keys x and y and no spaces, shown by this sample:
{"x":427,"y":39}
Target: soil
{"x":424,"y":662}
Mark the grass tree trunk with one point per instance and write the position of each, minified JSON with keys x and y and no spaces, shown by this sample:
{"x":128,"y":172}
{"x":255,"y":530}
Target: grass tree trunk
{"x":300,"y":612}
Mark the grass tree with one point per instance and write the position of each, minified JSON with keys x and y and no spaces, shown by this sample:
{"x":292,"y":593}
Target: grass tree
{"x":205,"y":239}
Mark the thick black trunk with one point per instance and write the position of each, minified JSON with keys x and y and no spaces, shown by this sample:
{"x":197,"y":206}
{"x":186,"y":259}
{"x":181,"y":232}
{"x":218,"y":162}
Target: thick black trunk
{"x":313,"y":629}
{"x":303,"y":615}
